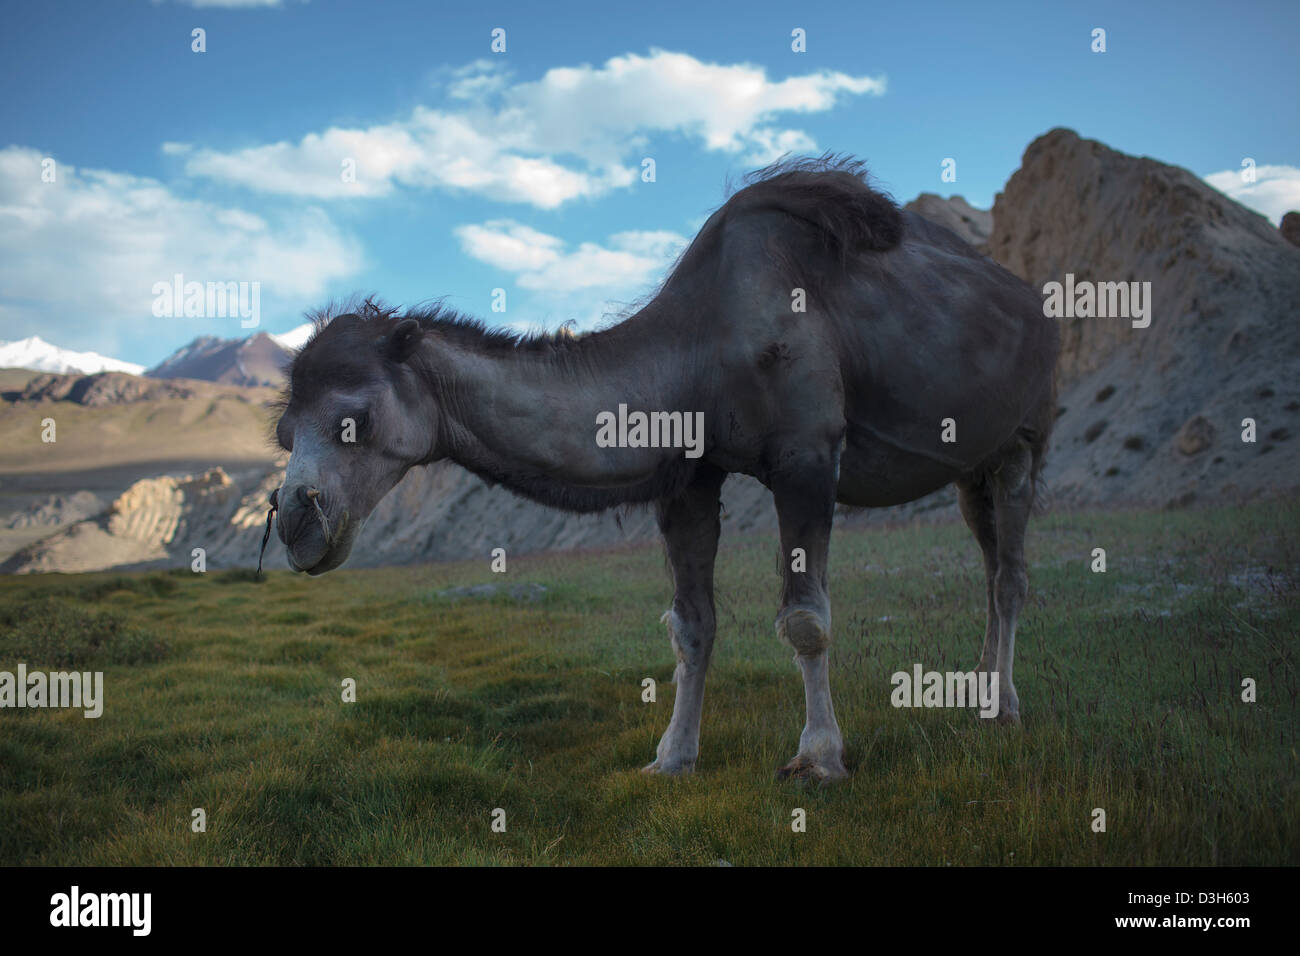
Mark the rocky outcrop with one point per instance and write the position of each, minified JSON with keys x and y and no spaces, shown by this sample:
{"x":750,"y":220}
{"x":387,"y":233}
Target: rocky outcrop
{"x":55,"y":510}
{"x":973,"y":225}
{"x":154,"y":523}
{"x":1223,"y":342}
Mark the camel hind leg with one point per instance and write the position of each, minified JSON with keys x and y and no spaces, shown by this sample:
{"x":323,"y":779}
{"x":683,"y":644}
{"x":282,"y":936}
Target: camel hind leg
{"x":996,"y":506}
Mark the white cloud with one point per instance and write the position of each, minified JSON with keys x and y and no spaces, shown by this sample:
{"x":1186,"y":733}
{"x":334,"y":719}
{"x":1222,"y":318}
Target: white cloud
{"x":542,"y":262}
{"x":476,"y":80}
{"x":509,"y":245}
{"x":1275,"y":192}
{"x":770,"y":145}
{"x":79,"y":256}
{"x":597,"y":111}
{"x":576,"y":132}
{"x":577,"y":283}
{"x":430,"y":149}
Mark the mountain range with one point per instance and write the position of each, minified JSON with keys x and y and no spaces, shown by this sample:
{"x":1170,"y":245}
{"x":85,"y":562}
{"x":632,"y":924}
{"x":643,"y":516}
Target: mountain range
{"x":255,"y":361}
{"x":1151,"y":416}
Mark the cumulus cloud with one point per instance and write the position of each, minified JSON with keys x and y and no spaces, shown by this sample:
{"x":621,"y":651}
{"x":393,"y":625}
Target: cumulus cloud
{"x":577,"y":282}
{"x":430,"y":149}
{"x":79,"y":256}
{"x":601,"y":111}
{"x":541,"y":261}
{"x":576,"y":132}
{"x":1275,"y":192}
{"x":508,"y":245}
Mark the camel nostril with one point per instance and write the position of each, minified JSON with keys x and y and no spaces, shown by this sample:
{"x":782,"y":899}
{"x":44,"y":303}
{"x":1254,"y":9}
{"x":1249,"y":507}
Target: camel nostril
{"x":275,"y":499}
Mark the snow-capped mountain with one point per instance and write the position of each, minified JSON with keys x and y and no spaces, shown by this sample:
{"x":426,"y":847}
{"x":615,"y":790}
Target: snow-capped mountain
{"x":40,"y":356}
{"x":294,"y":339}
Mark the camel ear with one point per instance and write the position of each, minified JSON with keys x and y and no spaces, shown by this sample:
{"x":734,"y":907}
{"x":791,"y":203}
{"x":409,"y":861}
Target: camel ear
{"x":404,"y":339}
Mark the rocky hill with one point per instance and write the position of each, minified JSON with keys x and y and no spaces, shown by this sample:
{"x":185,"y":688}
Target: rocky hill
{"x":104,"y":388}
{"x":1155,"y":414}
{"x":257,"y":360}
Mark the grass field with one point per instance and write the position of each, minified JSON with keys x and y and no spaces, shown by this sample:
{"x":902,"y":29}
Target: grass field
{"x":225,"y":694}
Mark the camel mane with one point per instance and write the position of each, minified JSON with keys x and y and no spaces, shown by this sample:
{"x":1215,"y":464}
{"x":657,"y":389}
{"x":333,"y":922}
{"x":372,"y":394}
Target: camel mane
{"x":831,"y":192}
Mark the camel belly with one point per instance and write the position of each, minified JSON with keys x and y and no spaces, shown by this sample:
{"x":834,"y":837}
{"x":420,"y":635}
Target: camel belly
{"x":876,"y":475}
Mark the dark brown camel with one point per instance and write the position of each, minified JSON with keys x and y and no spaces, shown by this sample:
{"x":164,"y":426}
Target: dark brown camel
{"x":904,"y":327}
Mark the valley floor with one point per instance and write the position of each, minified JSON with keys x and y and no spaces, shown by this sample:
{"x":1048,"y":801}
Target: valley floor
{"x":226,"y":695}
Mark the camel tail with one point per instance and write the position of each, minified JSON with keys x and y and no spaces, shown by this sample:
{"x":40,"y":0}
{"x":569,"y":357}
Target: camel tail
{"x":1037,"y":433}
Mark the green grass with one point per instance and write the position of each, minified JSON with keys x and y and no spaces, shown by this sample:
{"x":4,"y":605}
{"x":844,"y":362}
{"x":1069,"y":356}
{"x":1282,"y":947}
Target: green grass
{"x":225,"y":694}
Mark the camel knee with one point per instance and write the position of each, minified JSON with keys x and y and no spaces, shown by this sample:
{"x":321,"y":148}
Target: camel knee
{"x":1014,"y":475}
{"x":1011,"y":586}
{"x":691,"y":637}
{"x":805,"y":629}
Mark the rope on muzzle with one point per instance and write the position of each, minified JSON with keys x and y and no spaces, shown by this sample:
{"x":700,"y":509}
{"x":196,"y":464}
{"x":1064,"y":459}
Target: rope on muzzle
{"x":270,"y":516}
{"x":314,"y":497}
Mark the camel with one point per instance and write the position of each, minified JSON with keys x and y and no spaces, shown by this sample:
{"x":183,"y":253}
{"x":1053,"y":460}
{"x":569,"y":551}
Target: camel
{"x":831,"y":345}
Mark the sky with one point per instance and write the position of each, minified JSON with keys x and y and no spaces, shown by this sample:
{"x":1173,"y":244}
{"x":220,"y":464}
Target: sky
{"x":320,"y":149}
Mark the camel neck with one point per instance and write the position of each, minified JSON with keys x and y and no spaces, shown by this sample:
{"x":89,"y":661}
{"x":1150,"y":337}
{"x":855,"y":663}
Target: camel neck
{"x":532,"y":416}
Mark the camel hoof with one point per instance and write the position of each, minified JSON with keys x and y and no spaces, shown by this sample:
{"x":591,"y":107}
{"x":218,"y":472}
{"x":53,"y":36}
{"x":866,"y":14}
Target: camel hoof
{"x":669,"y":768}
{"x":1008,"y":718}
{"x":808,"y":770}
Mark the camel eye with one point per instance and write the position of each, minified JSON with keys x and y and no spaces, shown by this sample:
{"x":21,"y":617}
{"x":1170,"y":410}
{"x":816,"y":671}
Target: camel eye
{"x":354,"y":426}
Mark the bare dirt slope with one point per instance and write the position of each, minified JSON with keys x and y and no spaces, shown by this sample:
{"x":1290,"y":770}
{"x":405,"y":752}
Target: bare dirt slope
{"x":110,"y":431}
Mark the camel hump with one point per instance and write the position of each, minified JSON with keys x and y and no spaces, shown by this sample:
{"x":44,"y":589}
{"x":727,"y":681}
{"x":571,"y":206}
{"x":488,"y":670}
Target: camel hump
{"x":831,"y":193}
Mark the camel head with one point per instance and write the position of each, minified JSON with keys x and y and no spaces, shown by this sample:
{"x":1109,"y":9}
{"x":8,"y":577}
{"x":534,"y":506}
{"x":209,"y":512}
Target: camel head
{"x":355,"y":417}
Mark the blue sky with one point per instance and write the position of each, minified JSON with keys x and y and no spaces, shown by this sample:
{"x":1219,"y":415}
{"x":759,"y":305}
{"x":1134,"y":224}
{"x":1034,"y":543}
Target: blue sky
{"x":521,"y":170}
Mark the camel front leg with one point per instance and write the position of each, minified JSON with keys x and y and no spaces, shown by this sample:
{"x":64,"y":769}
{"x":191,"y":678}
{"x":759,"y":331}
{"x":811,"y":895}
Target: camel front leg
{"x":805,"y":504}
{"x":690,"y":526}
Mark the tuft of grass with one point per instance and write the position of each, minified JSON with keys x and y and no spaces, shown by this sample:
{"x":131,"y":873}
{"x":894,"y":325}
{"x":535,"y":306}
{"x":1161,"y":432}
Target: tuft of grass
{"x":56,"y":632}
{"x":155,"y":585}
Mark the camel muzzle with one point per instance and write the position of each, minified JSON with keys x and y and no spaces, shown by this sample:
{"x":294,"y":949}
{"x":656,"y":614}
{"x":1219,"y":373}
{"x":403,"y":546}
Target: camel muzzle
{"x":304,"y":527}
